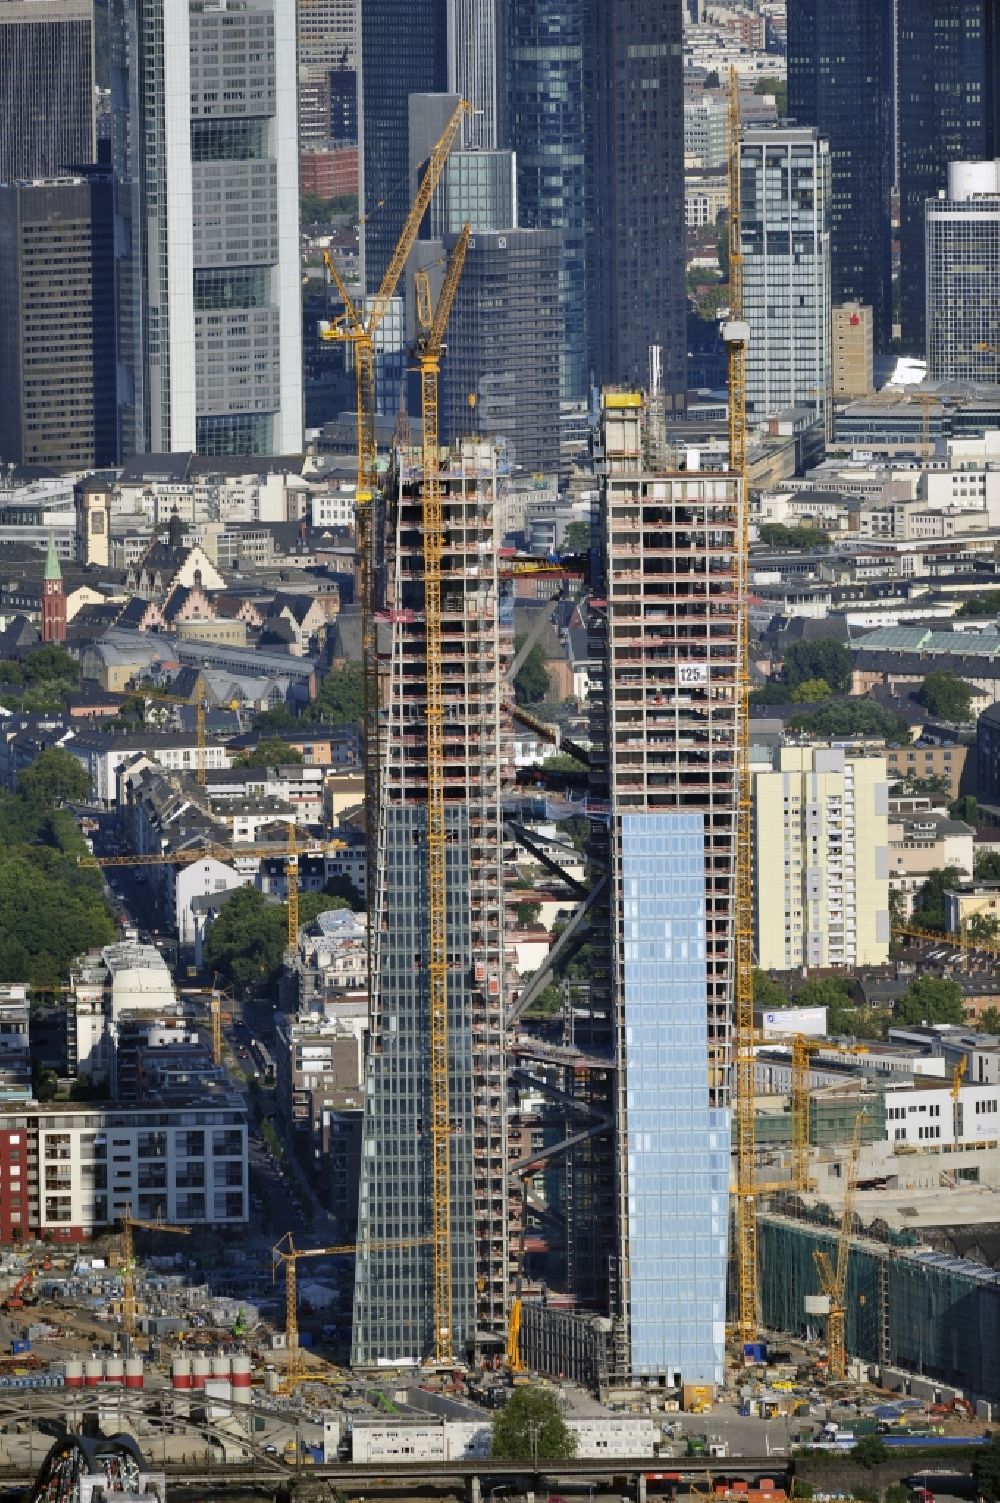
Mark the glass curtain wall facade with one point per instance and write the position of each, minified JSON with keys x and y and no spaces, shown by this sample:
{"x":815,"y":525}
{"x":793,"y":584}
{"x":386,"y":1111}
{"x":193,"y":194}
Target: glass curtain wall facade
{"x":546,"y":102}
{"x":963,"y":276}
{"x":393,"y":1295}
{"x":677,"y":1143}
{"x":785,"y":178}
{"x":949,"y":110}
{"x":664,"y":749}
{"x":840,"y":79}
{"x":46,"y":87}
{"x":204,"y":137}
{"x":403,"y":52}
{"x":634,"y":93}
{"x":475,"y":69}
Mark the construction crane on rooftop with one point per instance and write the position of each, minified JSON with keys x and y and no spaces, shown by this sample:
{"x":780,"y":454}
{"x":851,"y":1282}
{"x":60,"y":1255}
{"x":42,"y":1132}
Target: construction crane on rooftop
{"x":736,"y":334}
{"x":286,"y":1254}
{"x":357,"y":328}
{"x":128,"y":1225}
{"x":432,"y":324}
{"x":834,"y":1283}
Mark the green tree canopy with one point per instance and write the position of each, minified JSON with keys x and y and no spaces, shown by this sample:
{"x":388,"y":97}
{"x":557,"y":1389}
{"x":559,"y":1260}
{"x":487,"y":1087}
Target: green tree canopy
{"x":982,"y":928}
{"x":930,"y":999}
{"x":778,"y":87}
{"x":576,"y":538}
{"x":247,"y":941}
{"x":852,"y":717}
{"x":822,"y":657}
{"x":54,"y":778}
{"x":936,"y":785}
{"x":947,"y":695}
{"x":532,"y":681}
{"x":530,"y":1427}
{"x":767,"y":992}
{"x":278,"y":718}
{"x":986,"y":1470}
{"x":986,"y":866}
{"x":987,"y":604}
{"x":51,"y":663}
{"x":779,"y":535}
{"x":342,"y":887}
{"x":966,"y":807}
{"x":928,"y":904}
{"x":270,"y":752}
{"x":340,"y":699}
{"x":527,"y":914}
{"x":870,"y":1451}
{"x":989,"y":1020}
{"x":811,"y":691}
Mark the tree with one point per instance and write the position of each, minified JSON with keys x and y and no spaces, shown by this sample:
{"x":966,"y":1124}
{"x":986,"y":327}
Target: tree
{"x":343,"y":888}
{"x":247,"y":940}
{"x":278,"y":718}
{"x":778,"y":87}
{"x":50,"y":663}
{"x":929,"y":999}
{"x":987,"y":604}
{"x":966,"y":807}
{"x":936,"y":785}
{"x":46,"y":1085}
{"x":823,"y":657}
{"x":986,"y":866}
{"x":563,"y":762}
{"x":811,"y":691}
{"x":989,"y":1020}
{"x":767,"y":993}
{"x":530,"y":1427}
{"x":870,"y":1451}
{"x":946,"y":695}
{"x":54,"y":778}
{"x":928,"y":904}
{"x":547,"y":1004}
{"x":527,"y":914}
{"x":853,"y":717}
{"x":532,"y":681}
{"x":313,"y":210}
{"x":986,"y":1470}
{"x":982,"y":928}
{"x":340,"y":698}
{"x":576,"y":538}
{"x":780,"y":535}
{"x":271,"y":752}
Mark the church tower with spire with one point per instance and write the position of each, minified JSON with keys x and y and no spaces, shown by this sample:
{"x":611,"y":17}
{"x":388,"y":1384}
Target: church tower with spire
{"x":53,"y":597}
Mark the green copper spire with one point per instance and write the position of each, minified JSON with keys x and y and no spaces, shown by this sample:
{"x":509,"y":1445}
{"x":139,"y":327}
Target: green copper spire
{"x":52,"y":569}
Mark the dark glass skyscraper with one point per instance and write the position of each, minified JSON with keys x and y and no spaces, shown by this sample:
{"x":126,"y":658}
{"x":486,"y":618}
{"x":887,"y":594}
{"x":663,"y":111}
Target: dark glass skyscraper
{"x":46,"y":87}
{"x":840,"y":80}
{"x":949,"y":110}
{"x":547,"y":131}
{"x":403,"y":52}
{"x":634,"y":93}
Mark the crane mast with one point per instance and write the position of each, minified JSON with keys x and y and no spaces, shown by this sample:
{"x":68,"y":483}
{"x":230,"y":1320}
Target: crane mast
{"x":736,"y":334}
{"x":430,"y":347}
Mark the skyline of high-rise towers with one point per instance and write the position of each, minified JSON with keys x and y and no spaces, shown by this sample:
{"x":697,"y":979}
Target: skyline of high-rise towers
{"x":846,"y":92}
{"x":206,"y":160}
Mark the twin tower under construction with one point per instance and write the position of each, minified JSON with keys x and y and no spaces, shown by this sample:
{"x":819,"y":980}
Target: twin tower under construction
{"x":613,"y":1222}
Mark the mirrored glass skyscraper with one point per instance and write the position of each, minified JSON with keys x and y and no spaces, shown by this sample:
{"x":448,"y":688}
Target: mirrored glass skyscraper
{"x":949,"y":111}
{"x":840,"y":79}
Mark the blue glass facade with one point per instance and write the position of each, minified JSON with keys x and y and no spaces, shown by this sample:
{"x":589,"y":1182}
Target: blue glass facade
{"x":677,"y":1144}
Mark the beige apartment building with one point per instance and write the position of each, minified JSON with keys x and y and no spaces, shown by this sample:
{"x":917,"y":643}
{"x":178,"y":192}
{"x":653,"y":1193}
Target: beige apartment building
{"x":821,"y":859}
{"x":853,"y":350}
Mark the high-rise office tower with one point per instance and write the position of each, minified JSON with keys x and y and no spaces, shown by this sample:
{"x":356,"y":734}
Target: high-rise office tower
{"x":475,"y":68}
{"x":501,"y":378}
{"x":46,"y":87}
{"x":206,"y":158}
{"x":328,"y":33}
{"x":786,"y":276}
{"x":664,"y":734}
{"x":949,"y":110}
{"x":403,"y":52}
{"x":394,"y":1286}
{"x":634,"y":93}
{"x":962,"y":229}
{"x":328,"y":81}
{"x":840,"y":79}
{"x":57,"y":323}
{"x":546,"y":105}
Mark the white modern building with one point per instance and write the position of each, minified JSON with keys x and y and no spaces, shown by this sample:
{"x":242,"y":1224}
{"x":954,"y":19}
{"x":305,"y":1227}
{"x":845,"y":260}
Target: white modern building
{"x":786,"y":288}
{"x":962,"y":237}
{"x":205,"y":146}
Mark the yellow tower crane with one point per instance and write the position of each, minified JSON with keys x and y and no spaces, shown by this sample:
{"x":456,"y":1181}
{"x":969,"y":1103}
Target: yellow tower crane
{"x":128,"y":1224}
{"x":834,"y":1283}
{"x":802,"y":1051}
{"x":430,"y":347}
{"x":736,"y":334}
{"x":357,"y":328}
{"x":289,"y":853}
{"x":286,"y":1254}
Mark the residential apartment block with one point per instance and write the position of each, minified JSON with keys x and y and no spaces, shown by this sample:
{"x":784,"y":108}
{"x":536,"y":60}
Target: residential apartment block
{"x":821,"y":859}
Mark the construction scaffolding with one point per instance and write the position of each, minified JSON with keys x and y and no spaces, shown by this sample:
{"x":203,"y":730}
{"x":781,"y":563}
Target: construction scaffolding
{"x":909,"y":1308}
